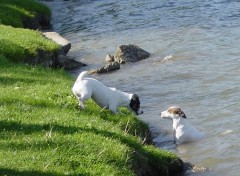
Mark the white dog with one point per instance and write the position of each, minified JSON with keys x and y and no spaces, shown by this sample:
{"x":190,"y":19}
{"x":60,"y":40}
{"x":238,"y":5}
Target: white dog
{"x":105,"y":97}
{"x":182,"y":130}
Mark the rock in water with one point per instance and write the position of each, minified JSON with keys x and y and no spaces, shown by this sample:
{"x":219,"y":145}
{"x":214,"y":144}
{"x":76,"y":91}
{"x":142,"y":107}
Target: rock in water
{"x":130,"y":53}
{"x":109,"y":67}
{"x":109,"y":58}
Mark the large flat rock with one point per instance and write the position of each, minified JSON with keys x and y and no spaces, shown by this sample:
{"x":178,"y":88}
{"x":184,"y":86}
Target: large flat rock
{"x":64,"y":43}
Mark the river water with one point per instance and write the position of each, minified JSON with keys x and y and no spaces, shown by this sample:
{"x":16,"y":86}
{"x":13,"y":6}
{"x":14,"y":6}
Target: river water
{"x":194,"y":63}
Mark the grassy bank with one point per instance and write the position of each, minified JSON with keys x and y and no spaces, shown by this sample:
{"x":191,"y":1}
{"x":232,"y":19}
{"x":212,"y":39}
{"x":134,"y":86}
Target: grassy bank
{"x":43,"y":132}
{"x":24,"y":45}
{"x":15,"y":12}
{"x":21,"y":45}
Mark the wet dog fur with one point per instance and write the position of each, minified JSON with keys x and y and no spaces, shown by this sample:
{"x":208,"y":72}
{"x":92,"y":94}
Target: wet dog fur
{"x":183,"y":131}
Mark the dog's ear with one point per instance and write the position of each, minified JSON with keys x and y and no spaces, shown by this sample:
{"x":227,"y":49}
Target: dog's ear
{"x":135,"y":97}
{"x":182,"y":114}
{"x":135,"y":103}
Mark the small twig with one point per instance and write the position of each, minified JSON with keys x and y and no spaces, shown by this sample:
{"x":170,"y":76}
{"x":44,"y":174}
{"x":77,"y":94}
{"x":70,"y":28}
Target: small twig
{"x":101,"y":152}
{"x":46,"y":166}
{"x":126,"y":130}
{"x":103,"y":108}
{"x":144,"y":140}
{"x":49,"y":133}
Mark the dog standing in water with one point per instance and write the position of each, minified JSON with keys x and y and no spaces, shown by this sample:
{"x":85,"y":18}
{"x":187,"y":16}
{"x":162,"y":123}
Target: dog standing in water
{"x":182,"y":130}
{"x":105,"y":97}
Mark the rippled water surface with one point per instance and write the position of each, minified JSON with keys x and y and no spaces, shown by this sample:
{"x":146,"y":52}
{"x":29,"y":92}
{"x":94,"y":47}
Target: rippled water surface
{"x":194,"y":63}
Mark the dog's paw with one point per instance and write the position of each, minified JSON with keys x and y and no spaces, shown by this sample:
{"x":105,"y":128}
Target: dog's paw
{"x":81,"y":107}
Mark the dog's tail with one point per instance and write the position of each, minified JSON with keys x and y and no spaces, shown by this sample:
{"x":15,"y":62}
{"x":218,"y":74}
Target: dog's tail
{"x":82,"y":75}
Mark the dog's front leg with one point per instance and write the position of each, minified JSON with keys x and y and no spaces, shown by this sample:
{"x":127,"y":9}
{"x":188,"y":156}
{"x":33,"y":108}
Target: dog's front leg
{"x":113,"y":109}
{"x":174,"y":136}
{"x":81,"y":103}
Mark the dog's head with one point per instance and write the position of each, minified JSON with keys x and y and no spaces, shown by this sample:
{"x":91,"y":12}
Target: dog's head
{"x":135,"y":104}
{"x":173,"y":112}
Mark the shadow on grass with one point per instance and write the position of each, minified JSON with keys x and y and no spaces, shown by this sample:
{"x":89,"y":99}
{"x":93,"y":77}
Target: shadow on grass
{"x":13,"y":172}
{"x":147,"y":159}
{"x":33,"y":128}
{"x":13,"y":81}
{"x":18,"y":127}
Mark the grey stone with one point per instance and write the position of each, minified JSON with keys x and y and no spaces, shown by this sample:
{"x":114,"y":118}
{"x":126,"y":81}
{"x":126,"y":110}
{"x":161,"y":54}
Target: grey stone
{"x":109,"y":67}
{"x":64,"y":43}
{"x":109,"y":58}
{"x":68,"y":63}
{"x":130,"y":53}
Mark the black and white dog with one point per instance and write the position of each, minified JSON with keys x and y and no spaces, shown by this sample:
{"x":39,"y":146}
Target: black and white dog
{"x":183,"y":131}
{"x":105,"y":97}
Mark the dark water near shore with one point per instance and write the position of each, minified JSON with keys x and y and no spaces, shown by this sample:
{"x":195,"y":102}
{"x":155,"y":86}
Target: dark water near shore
{"x":194,"y":63}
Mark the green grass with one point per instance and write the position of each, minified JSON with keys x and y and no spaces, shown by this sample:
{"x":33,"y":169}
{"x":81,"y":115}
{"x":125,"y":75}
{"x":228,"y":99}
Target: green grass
{"x":20,"y":45}
{"x":43,"y":132}
{"x":13,"y":12}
